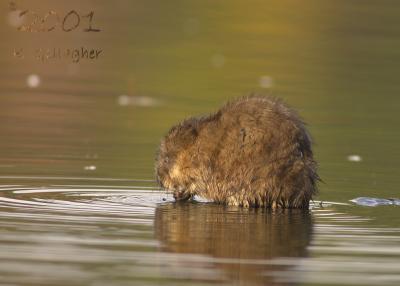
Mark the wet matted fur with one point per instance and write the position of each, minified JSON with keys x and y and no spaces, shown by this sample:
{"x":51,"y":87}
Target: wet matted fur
{"x":254,"y":151}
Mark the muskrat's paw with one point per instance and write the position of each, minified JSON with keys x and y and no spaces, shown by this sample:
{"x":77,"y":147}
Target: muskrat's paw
{"x":182,"y":196}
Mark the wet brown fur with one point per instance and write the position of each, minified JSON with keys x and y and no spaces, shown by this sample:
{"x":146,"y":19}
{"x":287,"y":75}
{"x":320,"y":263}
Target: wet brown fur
{"x":255,"y":151}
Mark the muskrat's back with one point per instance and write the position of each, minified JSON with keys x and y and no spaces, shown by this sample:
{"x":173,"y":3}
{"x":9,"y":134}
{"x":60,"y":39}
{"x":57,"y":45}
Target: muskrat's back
{"x":255,"y":151}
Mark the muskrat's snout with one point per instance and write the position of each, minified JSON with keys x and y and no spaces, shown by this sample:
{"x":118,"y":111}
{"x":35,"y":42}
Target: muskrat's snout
{"x":165,"y":181}
{"x":182,"y":195}
{"x":168,"y":178}
{"x":172,"y":167}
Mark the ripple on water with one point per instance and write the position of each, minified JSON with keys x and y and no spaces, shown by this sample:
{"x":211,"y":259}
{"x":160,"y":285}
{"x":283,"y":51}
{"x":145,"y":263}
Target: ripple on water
{"x":124,"y":235}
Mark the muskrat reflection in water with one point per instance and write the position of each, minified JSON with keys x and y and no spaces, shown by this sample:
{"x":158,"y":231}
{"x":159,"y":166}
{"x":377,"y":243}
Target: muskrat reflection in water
{"x":254,"y":151}
{"x":246,"y":239}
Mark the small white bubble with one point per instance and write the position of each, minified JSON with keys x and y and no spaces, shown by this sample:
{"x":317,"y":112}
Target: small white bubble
{"x":266,"y":81}
{"x":218,"y":60}
{"x":142,"y":101}
{"x":90,"y":168}
{"x":123,"y":100}
{"x":33,"y":80}
{"x":354,"y":158}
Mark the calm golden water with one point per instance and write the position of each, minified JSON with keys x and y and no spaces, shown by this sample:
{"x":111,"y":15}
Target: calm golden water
{"x":79,"y":130}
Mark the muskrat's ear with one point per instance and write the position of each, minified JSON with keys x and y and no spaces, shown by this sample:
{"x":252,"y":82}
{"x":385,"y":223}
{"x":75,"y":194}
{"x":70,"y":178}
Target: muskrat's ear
{"x":189,"y":131}
{"x":182,"y":134}
{"x":193,"y":131}
{"x":190,"y":126}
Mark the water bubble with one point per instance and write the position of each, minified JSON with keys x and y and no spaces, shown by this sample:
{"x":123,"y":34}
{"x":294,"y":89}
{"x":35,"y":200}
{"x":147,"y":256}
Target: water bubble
{"x":33,"y":80}
{"x":354,"y":158}
{"x":143,"y":101}
{"x":266,"y":81}
{"x":123,"y":100}
{"x":218,"y":60}
{"x":90,"y":168}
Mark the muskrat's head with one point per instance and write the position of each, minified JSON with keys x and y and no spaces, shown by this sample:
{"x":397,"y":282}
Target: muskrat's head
{"x":174,"y":163}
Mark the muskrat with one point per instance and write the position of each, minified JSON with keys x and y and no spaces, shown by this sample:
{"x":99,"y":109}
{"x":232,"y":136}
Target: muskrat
{"x":254,"y":151}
